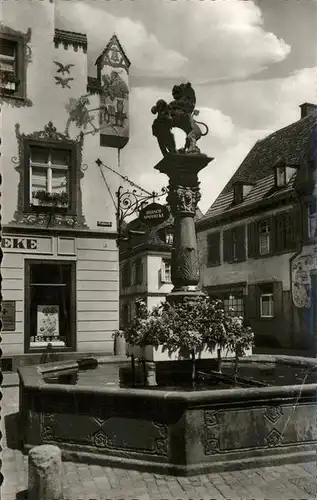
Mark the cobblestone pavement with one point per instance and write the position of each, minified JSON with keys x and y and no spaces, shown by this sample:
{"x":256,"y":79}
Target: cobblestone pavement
{"x":92,"y":482}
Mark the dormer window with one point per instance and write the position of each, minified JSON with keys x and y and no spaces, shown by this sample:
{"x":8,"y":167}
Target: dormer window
{"x":240,"y":192}
{"x":283,"y":174}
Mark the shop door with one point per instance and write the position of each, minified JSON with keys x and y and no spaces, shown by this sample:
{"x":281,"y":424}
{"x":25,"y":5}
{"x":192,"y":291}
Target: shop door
{"x":50,"y":305}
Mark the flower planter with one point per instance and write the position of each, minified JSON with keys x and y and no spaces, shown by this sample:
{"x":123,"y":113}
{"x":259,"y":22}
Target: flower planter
{"x":152,"y":354}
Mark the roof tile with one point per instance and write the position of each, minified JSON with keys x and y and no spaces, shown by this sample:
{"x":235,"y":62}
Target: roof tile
{"x":292,"y":144}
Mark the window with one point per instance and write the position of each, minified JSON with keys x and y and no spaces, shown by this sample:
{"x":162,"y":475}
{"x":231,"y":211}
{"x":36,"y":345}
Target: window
{"x":13,"y":62}
{"x":266,"y":305}
{"x":234,"y":244}
{"x":8,"y":66}
{"x":237,"y":193}
{"x":283,"y":175}
{"x":275,"y":234}
{"x":169,"y":236}
{"x":166,"y":271}
{"x":265,"y":300}
{"x":233,"y":304}
{"x":264,"y":237}
{"x":213,"y":249}
{"x":49,"y":176}
{"x":137,"y":272}
{"x":50,"y":305}
{"x":240,"y":192}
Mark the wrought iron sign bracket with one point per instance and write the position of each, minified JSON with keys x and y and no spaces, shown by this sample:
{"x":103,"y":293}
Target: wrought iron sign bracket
{"x":131,"y":201}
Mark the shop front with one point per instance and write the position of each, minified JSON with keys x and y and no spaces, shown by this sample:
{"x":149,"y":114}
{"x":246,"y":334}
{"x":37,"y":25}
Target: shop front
{"x":60,"y":292}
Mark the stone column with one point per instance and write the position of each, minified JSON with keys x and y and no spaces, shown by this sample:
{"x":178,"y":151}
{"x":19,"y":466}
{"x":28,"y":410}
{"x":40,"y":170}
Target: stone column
{"x":45,"y":473}
{"x":183,"y":197}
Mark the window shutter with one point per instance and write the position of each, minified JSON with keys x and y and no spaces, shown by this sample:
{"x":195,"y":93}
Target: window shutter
{"x":304,"y":223}
{"x":227,"y":246}
{"x":129,"y":275}
{"x":252,"y":302}
{"x":240,"y":240}
{"x":273,"y":233}
{"x":295,"y":228}
{"x":126,"y":279}
{"x":213,"y":249}
{"x":253,"y":240}
{"x":278,"y":299}
{"x":141,"y":273}
{"x":279,"y":228}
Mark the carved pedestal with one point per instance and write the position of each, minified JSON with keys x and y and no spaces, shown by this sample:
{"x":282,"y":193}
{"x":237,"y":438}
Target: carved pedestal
{"x":183,"y":197}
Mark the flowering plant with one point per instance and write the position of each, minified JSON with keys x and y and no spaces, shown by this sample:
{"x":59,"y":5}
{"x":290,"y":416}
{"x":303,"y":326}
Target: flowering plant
{"x":189,"y":325}
{"x":52,"y":198}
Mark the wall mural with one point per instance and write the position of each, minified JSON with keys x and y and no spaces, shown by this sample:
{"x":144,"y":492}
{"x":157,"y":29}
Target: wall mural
{"x":60,"y":80}
{"x":80,"y":115}
{"x":111,"y":117}
{"x":113,"y":74}
{"x":113,"y":103}
{"x":301,"y":281}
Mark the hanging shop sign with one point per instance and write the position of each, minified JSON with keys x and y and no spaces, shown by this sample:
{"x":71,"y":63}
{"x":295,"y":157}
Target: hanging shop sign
{"x":27,"y":244}
{"x":154,"y":214}
{"x":8,"y":315}
{"x":113,"y":70}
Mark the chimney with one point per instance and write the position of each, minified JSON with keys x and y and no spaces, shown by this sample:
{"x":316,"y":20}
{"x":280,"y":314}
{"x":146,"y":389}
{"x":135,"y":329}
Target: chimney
{"x":307,"y":109}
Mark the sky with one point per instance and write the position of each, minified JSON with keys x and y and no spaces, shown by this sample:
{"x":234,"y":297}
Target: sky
{"x":250,"y":62}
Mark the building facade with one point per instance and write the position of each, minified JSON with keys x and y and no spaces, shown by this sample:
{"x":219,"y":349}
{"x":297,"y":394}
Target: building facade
{"x":145,"y":266}
{"x":60,"y":265}
{"x":257,"y":241}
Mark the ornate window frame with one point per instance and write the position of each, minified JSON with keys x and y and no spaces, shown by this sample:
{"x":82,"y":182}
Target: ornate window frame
{"x":49,"y":216}
{"x":19,"y":97}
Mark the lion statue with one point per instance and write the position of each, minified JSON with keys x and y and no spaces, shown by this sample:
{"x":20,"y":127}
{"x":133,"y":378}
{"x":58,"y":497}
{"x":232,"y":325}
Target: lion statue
{"x":178,"y":113}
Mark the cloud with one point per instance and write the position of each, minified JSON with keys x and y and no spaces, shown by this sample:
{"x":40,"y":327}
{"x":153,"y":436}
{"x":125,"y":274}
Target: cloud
{"x":202,"y":42}
{"x":198,"y":41}
{"x":238,"y":116}
{"x":263,"y":104}
{"x":146,"y":52}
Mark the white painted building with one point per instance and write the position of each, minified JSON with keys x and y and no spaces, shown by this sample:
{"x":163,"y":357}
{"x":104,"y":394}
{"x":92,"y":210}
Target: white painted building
{"x":145,"y":267}
{"x":60,"y":266}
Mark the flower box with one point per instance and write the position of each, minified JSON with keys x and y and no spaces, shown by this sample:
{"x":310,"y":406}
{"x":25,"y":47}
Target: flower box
{"x":43,"y":199}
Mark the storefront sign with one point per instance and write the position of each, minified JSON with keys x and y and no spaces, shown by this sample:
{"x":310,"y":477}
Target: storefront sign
{"x":8,"y":315}
{"x":27,"y":244}
{"x":101,"y":223}
{"x":154,"y":214}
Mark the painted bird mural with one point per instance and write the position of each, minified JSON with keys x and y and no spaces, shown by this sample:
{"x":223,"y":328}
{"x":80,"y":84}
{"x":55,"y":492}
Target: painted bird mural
{"x":63,"y":68}
{"x":63,"y":81}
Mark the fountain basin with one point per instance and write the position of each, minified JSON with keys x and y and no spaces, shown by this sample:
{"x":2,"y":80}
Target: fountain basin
{"x":175,"y":432}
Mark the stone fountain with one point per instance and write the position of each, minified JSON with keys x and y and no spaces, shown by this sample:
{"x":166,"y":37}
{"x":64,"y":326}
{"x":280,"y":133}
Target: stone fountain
{"x":172,"y":431}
